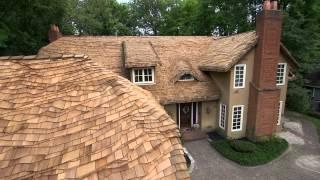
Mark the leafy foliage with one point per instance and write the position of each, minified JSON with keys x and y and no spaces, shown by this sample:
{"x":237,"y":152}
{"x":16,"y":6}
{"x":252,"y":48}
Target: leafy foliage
{"x":264,"y":152}
{"x":298,"y":98}
{"x":24,"y":24}
{"x":97,"y":17}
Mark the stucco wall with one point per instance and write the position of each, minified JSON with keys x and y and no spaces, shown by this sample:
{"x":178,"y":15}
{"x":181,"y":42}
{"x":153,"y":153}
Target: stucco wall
{"x":171,"y":109}
{"x":240,"y":96}
{"x":209,"y":113}
{"x":222,"y":80}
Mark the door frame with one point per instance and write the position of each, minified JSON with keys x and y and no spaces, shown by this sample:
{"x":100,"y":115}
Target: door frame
{"x":192,"y":110}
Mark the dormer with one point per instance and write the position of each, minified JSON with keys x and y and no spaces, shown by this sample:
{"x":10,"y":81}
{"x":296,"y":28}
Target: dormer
{"x":141,"y":60}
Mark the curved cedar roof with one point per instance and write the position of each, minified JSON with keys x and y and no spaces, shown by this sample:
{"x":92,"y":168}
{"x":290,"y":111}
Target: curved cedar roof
{"x":67,"y":117}
{"x":170,"y":55}
{"x":225,"y":52}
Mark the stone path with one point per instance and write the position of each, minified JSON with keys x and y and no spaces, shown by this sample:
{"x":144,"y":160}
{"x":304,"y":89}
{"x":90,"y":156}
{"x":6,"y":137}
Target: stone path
{"x":302,"y":161}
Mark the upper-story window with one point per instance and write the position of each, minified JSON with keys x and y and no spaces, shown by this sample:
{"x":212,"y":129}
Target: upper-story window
{"x":281,"y":73}
{"x":187,"y":77}
{"x":143,"y":76}
{"x":239,"y":76}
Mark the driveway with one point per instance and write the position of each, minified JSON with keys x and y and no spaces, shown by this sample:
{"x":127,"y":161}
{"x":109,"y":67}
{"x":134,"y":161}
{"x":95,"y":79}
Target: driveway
{"x":301,"y":162}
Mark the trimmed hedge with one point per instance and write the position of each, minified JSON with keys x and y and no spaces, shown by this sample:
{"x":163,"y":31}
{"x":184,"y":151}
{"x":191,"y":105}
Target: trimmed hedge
{"x":259,"y":153}
{"x":243,"y":146}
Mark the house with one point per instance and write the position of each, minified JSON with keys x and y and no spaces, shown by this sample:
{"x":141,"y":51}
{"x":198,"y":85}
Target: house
{"x":234,"y":85}
{"x":66,"y":117}
{"x":312,"y":82}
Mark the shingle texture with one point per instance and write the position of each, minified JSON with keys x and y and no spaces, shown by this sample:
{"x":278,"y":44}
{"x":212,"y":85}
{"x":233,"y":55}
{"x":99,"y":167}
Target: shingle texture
{"x":67,"y":117}
{"x":139,"y":54}
{"x":225,"y":52}
{"x":172,"y":56}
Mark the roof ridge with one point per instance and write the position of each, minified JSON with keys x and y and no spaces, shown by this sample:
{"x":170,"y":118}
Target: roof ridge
{"x":37,"y":57}
{"x":233,"y":35}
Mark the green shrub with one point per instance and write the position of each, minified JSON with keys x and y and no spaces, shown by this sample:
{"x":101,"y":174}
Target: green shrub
{"x":298,"y":99}
{"x":264,"y":151}
{"x":243,"y":146}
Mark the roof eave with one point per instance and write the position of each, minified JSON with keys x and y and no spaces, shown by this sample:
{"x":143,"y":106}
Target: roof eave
{"x":287,"y":53}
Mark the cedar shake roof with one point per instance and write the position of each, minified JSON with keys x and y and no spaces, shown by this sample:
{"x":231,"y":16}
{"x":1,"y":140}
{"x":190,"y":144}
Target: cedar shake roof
{"x":139,"y":54}
{"x":67,"y":117}
{"x":172,"y":56}
{"x":225,"y":52}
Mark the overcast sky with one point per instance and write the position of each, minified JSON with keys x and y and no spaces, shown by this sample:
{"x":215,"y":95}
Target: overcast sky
{"x":122,"y":0}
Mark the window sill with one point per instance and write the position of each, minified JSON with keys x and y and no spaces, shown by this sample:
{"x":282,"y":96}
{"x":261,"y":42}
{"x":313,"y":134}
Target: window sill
{"x":236,"y":130}
{"x":186,"y":80}
{"x":144,"y":84}
{"x":239,"y":87}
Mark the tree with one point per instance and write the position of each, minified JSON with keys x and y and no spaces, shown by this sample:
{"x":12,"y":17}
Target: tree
{"x":97,"y":17}
{"x":223,"y":17}
{"x":149,"y":15}
{"x":24,"y":24}
{"x":301,"y":33}
{"x":181,"y":19}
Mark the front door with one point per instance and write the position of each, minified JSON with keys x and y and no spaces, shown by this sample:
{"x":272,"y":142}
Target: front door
{"x":185,"y":115}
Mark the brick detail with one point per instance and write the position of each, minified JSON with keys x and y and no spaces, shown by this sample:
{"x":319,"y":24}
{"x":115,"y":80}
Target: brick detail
{"x":54,"y":33}
{"x":264,"y":95}
{"x":263,"y":111}
{"x":269,"y":25}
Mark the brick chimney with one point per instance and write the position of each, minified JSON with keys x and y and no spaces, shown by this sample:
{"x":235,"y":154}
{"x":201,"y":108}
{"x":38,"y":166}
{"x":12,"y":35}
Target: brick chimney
{"x":264,"y":94}
{"x":54,"y":33}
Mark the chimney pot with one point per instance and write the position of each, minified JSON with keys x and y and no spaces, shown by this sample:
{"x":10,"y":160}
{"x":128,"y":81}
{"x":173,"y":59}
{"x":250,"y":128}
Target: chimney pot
{"x":54,"y":33}
{"x":267,"y":5}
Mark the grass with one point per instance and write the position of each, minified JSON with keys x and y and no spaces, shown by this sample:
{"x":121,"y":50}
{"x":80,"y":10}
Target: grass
{"x":259,"y":153}
{"x":315,"y":119}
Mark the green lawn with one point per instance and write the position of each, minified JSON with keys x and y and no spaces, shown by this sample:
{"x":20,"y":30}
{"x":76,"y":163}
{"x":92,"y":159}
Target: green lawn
{"x":247,"y":153}
{"x":315,"y":119}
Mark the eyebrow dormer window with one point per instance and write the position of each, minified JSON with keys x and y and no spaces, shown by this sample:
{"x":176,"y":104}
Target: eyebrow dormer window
{"x":143,"y":76}
{"x":187,"y":77}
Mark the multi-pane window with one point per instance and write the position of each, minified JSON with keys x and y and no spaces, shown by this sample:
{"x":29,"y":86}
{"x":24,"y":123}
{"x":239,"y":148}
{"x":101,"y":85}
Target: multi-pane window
{"x":187,"y":77}
{"x":279,"y":112}
{"x":281,"y":73}
{"x":143,"y":76}
{"x":223,"y":114}
{"x":237,"y":113}
{"x":239,"y":76}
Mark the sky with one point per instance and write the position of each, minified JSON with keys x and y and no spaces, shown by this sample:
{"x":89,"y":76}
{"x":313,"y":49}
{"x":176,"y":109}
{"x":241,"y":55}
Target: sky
{"x":122,"y":0}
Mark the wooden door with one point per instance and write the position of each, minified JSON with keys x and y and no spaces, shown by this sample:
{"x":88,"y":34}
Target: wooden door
{"x":185,"y":115}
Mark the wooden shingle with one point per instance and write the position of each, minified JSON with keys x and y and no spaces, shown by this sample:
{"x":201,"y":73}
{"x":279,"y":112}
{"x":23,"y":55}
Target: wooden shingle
{"x":67,"y":117}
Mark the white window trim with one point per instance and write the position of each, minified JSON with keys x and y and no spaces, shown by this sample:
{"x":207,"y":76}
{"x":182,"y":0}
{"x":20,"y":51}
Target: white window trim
{"x":142,"y":83}
{"x":244,"y":76}
{"x":191,"y":118}
{"x":179,"y":115}
{"x":313,"y":92}
{"x":284,"y":74}
{"x":280,"y":112}
{"x":197,"y":109}
{"x":225,"y":116}
{"x":241,"y":119}
{"x":187,"y":80}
